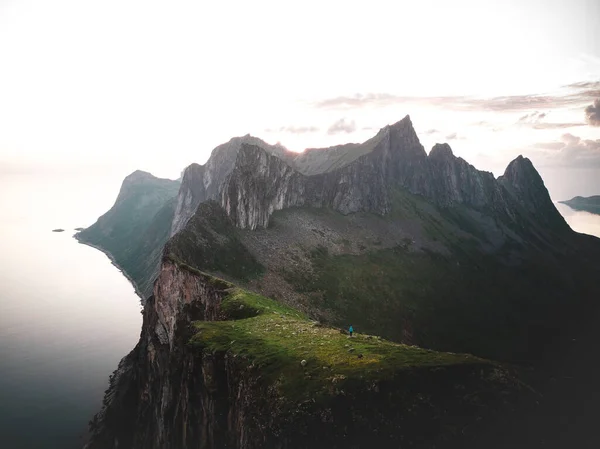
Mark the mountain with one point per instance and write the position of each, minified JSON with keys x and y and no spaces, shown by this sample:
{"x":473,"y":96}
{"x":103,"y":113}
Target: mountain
{"x":202,"y":182}
{"x":272,"y":253}
{"x":590,"y":204}
{"x":133,"y":232}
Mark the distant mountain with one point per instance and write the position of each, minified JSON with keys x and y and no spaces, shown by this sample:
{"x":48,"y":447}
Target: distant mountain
{"x":273,"y":254}
{"x":134,"y":230}
{"x":590,"y":204}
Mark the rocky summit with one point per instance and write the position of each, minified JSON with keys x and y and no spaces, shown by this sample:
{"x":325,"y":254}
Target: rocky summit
{"x":452,"y":280}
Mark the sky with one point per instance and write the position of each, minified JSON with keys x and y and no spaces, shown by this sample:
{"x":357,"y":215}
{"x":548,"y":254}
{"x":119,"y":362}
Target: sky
{"x":107,"y":87}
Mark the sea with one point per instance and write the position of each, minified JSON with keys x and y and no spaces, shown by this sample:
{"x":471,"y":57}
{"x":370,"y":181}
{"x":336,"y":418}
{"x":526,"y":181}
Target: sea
{"x":67,"y":315}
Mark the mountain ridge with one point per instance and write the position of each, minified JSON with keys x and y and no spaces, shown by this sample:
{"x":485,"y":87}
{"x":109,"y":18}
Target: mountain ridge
{"x":420,"y":249}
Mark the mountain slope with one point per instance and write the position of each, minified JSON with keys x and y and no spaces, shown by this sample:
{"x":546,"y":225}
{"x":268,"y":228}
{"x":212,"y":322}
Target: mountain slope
{"x":422,"y":249}
{"x":590,"y":204}
{"x":132,"y":231}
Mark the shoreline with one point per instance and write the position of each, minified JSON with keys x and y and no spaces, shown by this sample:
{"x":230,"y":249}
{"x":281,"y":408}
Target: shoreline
{"x":114,"y":262}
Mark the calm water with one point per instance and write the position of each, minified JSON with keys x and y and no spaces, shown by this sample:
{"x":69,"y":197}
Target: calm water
{"x":579,"y":221}
{"x":67,"y":316}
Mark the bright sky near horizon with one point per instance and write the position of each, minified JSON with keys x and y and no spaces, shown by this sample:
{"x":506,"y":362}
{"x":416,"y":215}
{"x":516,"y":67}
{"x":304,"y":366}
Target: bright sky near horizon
{"x":114,"y":86}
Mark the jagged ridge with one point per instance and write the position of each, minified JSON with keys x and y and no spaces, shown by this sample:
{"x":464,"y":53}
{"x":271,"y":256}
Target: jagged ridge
{"x":447,"y":231}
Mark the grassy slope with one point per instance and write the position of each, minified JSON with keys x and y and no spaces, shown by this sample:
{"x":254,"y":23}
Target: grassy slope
{"x":142,"y":261}
{"x":277,"y":338}
{"x":505,"y":304}
{"x":445,"y":302}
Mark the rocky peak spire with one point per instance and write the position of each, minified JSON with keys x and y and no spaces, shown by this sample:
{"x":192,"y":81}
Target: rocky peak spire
{"x":441,"y":151}
{"x":524,"y":182}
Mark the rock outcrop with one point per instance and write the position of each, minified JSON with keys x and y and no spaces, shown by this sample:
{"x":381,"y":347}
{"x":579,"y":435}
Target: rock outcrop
{"x":203,"y":182}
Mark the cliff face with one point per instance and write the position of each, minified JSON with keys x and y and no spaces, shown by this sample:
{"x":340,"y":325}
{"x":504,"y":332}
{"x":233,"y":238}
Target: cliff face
{"x":261,"y":183}
{"x":525,"y":184}
{"x":171,"y":394}
{"x":203,"y":182}
{"x":453,"y":180}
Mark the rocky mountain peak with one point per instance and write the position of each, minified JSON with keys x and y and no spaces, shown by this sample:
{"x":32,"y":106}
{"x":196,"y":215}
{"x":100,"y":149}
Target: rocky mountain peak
{"x":520,"y":169}
{"x":140,"y":179}
{"x":441,"y":151}
{"x":524,"y":182}
{"x":522,"y":176}
{"x":405,"y":124}
{"x":202,"y":182}
{"x":137,"y":176}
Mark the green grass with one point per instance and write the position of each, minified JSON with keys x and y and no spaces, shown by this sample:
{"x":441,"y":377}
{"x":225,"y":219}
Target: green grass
{"x":276,"y":339}
{"x":467,"y":301}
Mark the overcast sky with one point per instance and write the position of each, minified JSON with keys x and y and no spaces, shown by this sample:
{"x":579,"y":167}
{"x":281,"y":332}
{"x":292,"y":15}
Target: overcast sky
{"x":113,"y":86}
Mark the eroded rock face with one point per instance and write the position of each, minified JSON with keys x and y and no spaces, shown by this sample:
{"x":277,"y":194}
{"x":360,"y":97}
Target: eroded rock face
{"x":261,"y":183}
{"x":203,"y":182}
{"x":454,"y":181}
{"x":525,"y":184}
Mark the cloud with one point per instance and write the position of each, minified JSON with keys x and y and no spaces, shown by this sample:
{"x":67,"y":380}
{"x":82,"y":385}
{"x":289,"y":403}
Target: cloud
{"x":491,"y":126}
{"x":294,"y":129}
{"x":569,"y":151}
{"x":585,"y":85}
{"x":430,"y":131}
{"x":535,"y":121}
{"x":592,"y":113}
{"x":555,"y":125}
{"x":533,"y":117}
{"x":454,"y":136}
{"x":342,"y":126}
{"x":576,"y":94}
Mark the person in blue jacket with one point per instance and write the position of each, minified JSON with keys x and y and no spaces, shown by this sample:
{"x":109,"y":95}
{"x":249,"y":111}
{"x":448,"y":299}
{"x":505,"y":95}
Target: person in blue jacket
{"x":351,"y":330}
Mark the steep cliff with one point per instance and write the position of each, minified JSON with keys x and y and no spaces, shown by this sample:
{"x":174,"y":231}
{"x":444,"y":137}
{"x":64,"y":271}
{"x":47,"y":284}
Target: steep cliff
{"x":524,"y":183}
{"x":219,"y":367}
{"x":203,"y":182}
{"x":132,"y":231}
{"x":261,"y":183}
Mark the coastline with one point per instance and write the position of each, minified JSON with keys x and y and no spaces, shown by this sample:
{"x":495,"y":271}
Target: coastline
{"x":114,"y":262}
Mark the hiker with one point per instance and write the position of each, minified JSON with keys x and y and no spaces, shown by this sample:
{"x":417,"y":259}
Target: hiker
{"x":351,"y":330}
